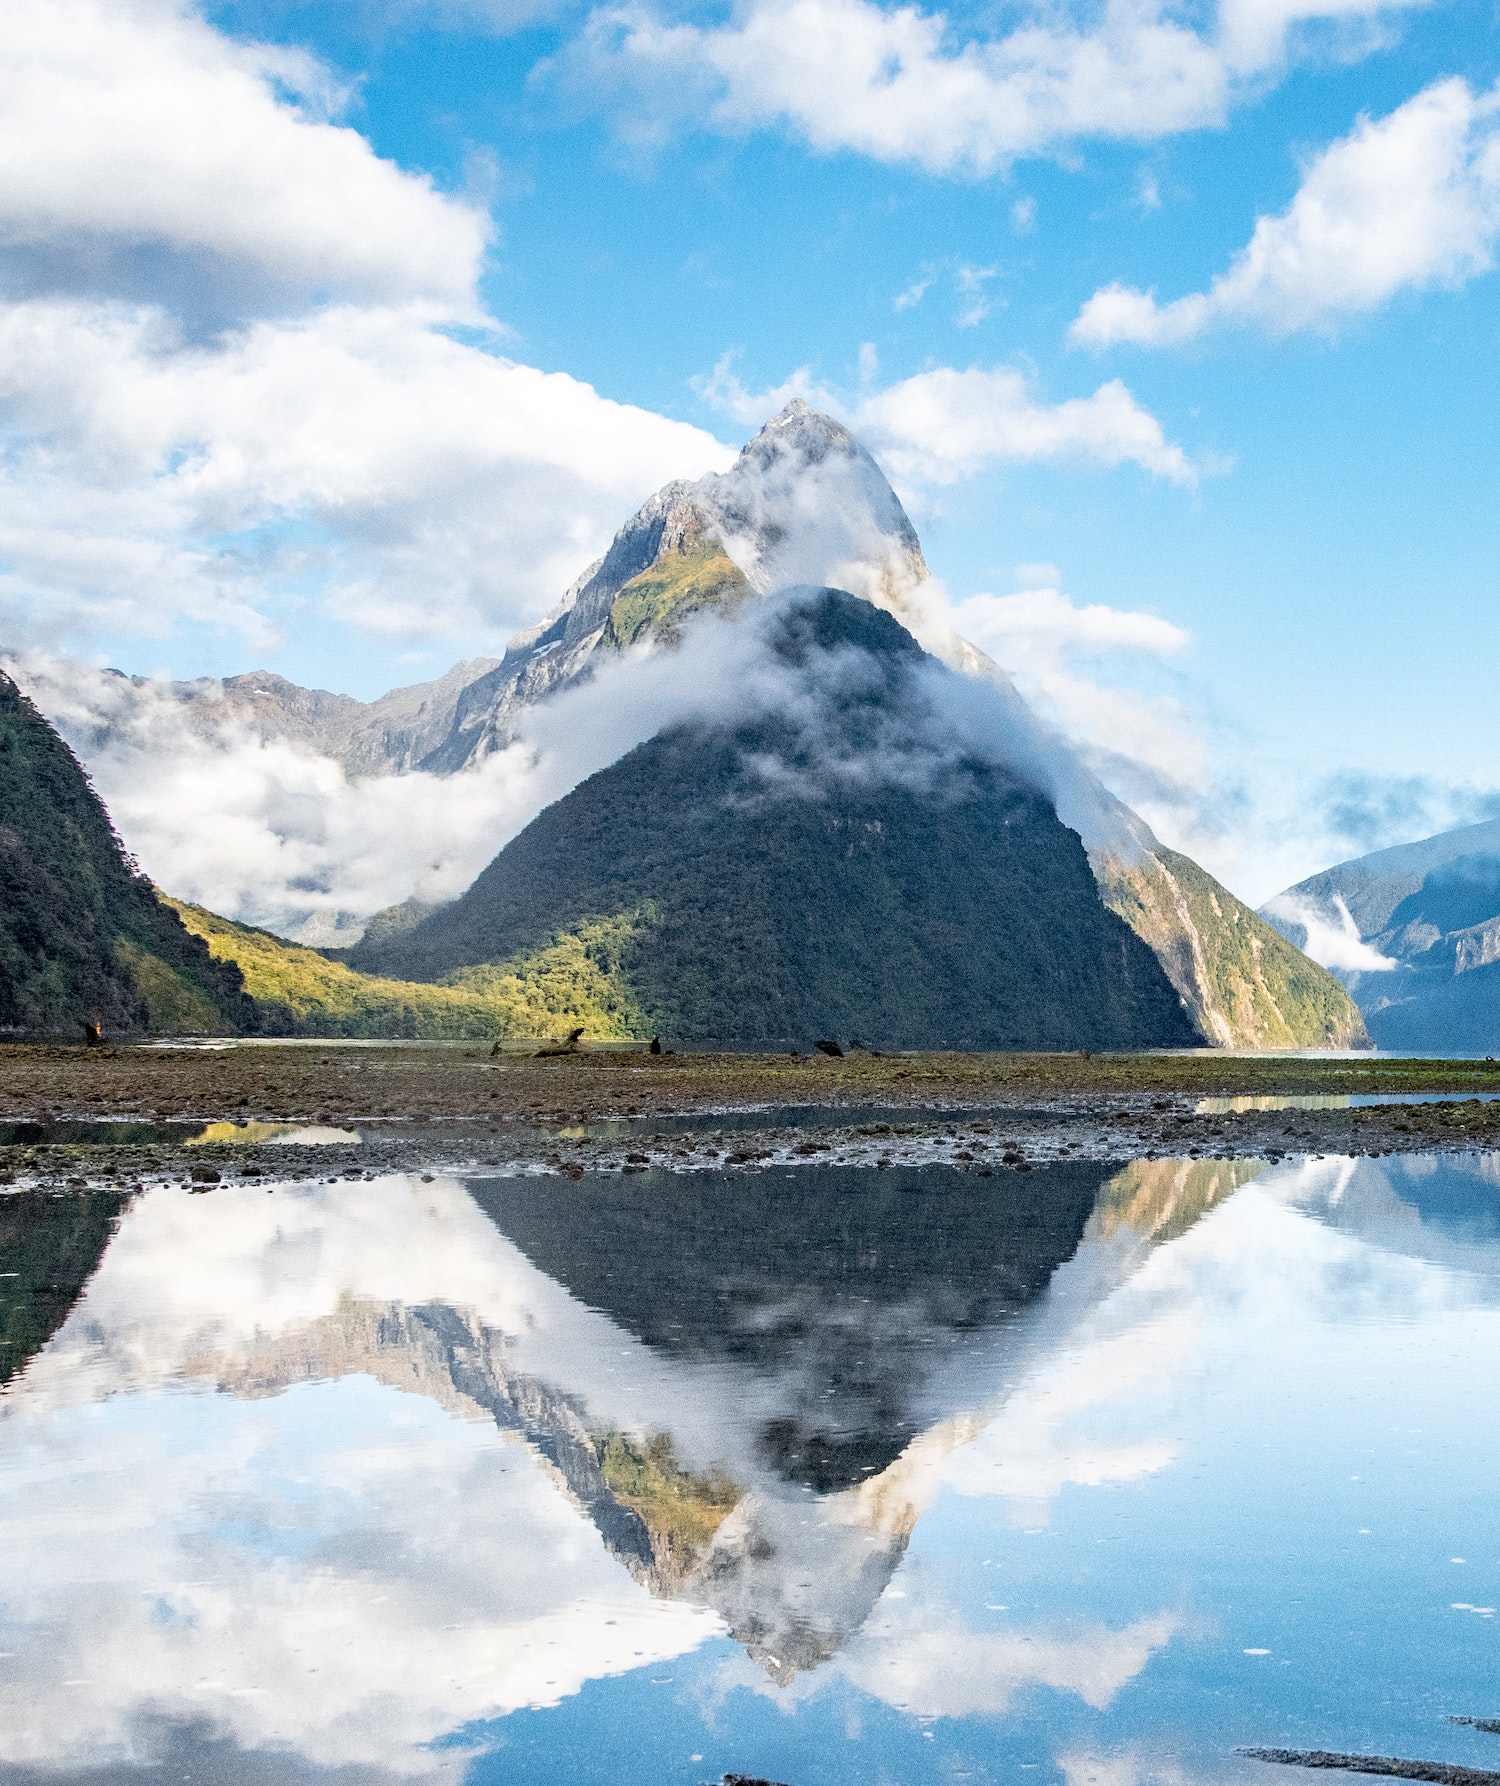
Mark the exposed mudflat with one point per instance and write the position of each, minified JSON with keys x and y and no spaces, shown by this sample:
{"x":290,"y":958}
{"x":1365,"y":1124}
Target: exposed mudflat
{"x":253,"y":1110}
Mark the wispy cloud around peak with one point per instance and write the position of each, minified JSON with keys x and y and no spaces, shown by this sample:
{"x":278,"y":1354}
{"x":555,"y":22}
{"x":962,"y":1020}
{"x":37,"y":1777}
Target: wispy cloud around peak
{"x":943,"y":425}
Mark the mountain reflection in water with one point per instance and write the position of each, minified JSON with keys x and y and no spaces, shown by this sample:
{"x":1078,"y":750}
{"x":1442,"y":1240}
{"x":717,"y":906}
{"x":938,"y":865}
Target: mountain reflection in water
{"x":405,"y":1477}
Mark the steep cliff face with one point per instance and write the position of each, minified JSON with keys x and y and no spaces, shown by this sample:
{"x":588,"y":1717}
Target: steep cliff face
{"x":1245,"y":984}
{"x":84,"y":939}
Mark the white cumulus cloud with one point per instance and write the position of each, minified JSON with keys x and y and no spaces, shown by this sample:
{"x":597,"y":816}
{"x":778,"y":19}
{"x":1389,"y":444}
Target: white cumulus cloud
{"x":901,"y":84}
{"x":1407,"y":201}
{"x":230,"y":383}
{"x":129,"y":124}
{"x":426,"y":485}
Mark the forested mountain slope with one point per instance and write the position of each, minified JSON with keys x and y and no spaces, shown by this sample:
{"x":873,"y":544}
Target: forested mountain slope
{"x":83,"y":938}
{"x":772,"y":893}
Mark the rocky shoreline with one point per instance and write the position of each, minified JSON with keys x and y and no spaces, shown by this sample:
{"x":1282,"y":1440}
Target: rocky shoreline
{"x":71,"y":1117}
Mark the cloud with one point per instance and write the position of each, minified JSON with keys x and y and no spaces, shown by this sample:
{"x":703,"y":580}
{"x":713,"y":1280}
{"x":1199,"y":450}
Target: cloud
{"x":405,"y":482}
{"x":941,"y":426}
{"x":974,"y":304}
{"x":920,"y":1658}
{"x":1407,"y":201}
{"x":1328,"y":934}
{"x":132,"y":128}
{"x":1047,"y":620}
{"x":1081,"y":669}
{"x":911,"y":297}
{"x":263,"y":831}
{"x":244,"y":370}
{"x":900,"y":84}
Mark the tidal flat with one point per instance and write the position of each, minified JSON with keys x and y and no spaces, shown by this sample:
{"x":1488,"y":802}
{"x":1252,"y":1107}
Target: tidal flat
{"x":251,"y":1109}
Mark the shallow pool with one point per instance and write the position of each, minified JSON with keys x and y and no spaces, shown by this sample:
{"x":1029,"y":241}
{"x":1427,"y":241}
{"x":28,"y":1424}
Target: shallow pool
{"x":1359,"y":1100}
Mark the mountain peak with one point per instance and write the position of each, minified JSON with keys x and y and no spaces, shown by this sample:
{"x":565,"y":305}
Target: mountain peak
{"x":809,"y":435}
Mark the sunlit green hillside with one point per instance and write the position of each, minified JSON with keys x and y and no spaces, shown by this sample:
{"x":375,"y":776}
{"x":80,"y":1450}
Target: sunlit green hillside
{"x":572,"y":979}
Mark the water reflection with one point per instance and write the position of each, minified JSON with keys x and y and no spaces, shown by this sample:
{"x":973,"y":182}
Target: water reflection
{"x":274,"y":1134}
{"x":1245,"y":1102}
{"x":810,"y":1473}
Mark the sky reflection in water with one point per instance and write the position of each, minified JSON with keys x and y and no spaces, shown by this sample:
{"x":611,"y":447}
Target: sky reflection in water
{"x":815,"y":1474}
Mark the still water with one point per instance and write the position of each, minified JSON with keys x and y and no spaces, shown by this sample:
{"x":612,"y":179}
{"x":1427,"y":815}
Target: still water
{"x":1084,"y":1474}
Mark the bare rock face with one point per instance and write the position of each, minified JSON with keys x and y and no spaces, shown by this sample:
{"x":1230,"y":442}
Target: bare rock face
{"x":395,"y":733}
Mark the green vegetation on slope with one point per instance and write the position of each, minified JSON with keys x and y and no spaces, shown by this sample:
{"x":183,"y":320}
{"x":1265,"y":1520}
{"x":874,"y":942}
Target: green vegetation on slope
{"x":815,"y":901}
{"x":679,"y":584}
{"x":572,"y":978}
{"x":83,"y":937}
{"x":1245,"y":984}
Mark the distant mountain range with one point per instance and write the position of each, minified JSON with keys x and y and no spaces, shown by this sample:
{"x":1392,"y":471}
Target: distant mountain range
{"x":1414,"y":933}
{"x":804,"y":502}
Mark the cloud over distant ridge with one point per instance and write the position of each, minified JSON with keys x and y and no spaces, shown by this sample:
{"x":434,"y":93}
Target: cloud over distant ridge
{"x":1403,"y":202}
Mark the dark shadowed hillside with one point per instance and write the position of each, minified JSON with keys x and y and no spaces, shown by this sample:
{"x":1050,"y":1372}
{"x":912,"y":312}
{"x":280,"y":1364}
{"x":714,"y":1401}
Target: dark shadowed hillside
{"x":777,"y":888}
{"x":83,"y":937}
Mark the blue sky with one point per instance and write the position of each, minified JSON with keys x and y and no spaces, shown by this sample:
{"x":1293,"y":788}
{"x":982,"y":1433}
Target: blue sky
{"x":259,"y":265}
